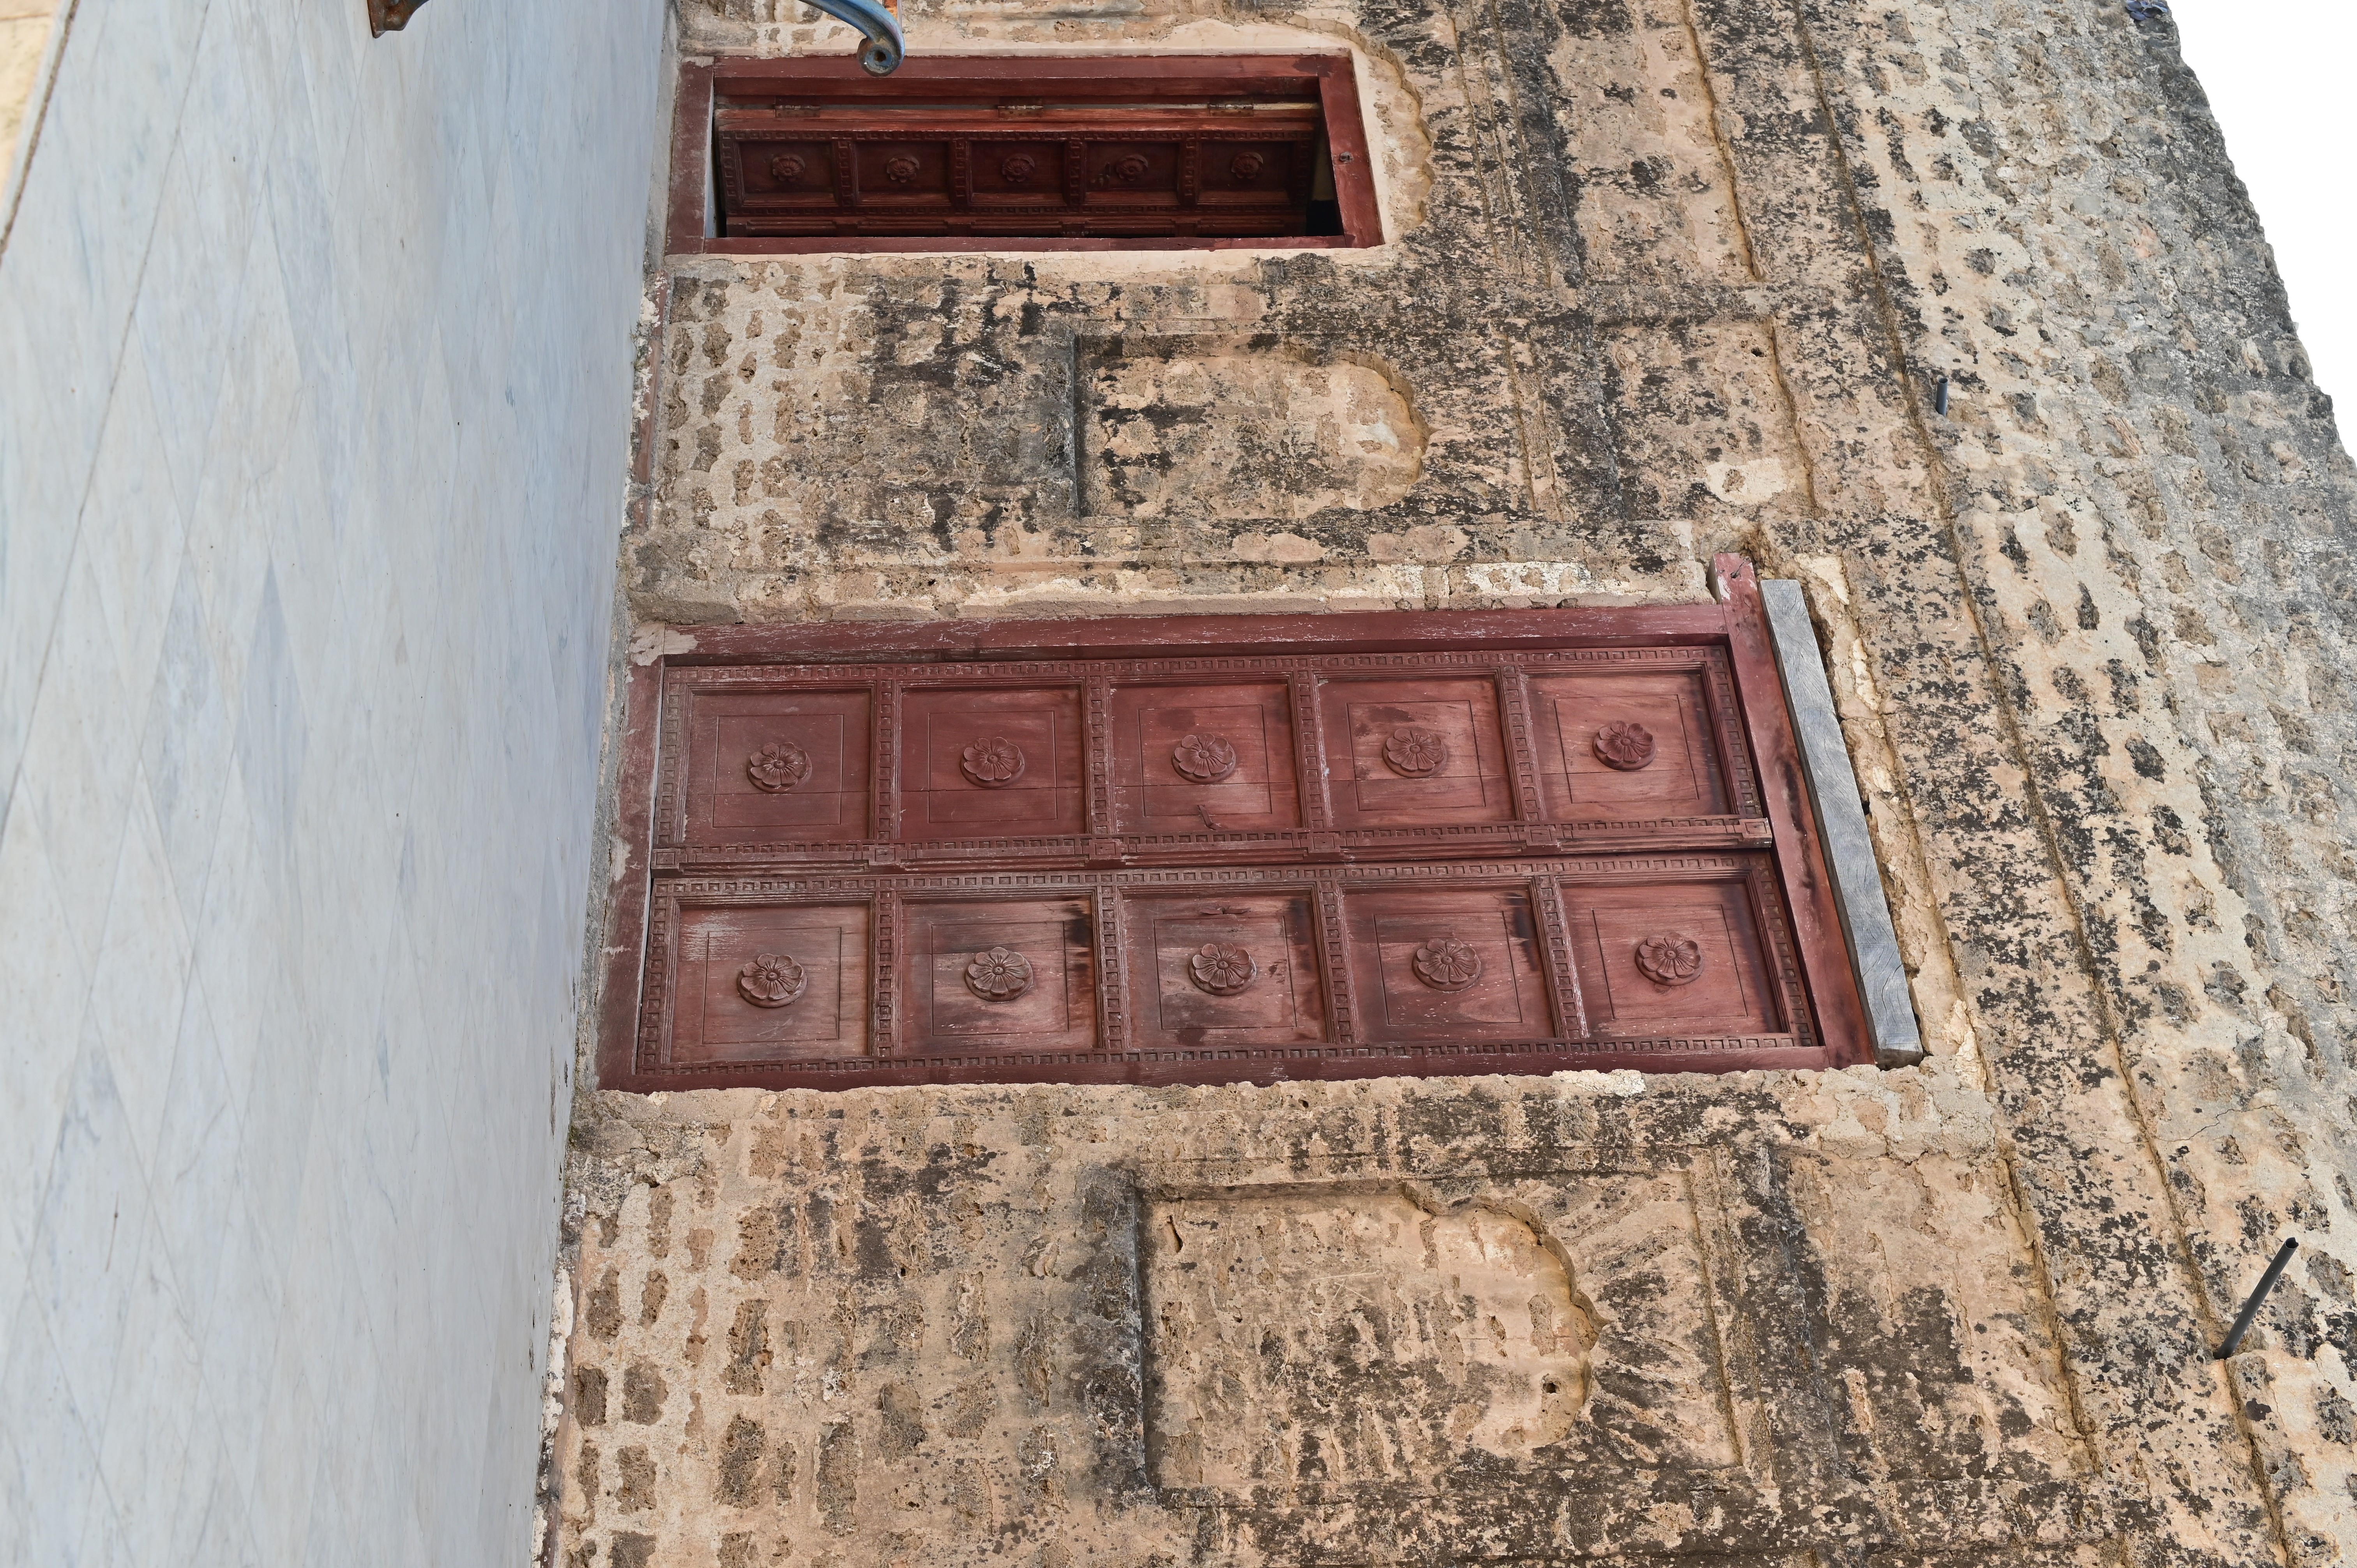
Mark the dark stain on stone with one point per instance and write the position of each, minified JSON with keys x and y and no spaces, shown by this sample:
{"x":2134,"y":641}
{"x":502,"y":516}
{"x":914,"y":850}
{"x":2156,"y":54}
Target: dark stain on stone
{"x":838,"y":1477}
{"x":749,"y":1349}
{"x":902,"y":1431}
{"x":741,"y":1449}
{"x":634,"y":1489}
{"x":589,"y":1395}
{"x":603,"y":1314}
{"x":642,"y":1393}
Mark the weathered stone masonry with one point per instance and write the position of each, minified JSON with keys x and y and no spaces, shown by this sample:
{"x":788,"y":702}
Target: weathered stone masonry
{"x":1663,"y":278}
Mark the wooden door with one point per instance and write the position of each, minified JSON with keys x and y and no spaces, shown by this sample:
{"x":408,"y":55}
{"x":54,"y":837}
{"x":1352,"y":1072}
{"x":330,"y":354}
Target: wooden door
{"x":1222,"y":848}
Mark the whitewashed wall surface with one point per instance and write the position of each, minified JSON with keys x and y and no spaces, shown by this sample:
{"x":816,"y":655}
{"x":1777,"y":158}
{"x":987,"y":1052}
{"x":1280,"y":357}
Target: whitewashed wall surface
{"x":314,"y":370}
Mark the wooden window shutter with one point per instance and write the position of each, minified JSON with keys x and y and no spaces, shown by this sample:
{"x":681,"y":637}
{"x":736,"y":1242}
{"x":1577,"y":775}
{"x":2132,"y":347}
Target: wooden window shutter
{"x":1218,"y":848}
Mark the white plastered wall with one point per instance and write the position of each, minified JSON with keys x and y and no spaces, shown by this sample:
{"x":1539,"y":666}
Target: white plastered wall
{"x":315,"y":385}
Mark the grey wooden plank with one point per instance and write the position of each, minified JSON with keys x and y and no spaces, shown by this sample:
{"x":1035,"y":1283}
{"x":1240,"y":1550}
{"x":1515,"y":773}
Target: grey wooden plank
{"x":1841,"y":819}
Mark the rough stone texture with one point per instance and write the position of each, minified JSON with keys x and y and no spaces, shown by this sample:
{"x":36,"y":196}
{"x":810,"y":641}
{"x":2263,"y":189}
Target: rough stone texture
{"x":1663,"y":277}
{"x":1366,"y":1323}
{"x":25,"y":28}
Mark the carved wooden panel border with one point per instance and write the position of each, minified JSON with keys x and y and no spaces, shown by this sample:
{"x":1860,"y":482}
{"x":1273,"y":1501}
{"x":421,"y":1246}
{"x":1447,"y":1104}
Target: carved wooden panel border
{"x":1095,"y":1038}
{"x":1527,"y":820}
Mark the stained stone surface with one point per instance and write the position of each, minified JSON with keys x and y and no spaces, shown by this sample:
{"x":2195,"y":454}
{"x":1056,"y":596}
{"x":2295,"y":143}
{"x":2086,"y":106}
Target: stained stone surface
{"x":1186,"y":426}
{"x":1661,"y":277}
{"x":1391,"y":1321}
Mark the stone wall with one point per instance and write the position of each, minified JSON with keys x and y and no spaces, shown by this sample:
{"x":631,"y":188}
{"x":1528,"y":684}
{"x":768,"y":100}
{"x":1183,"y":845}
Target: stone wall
{"x":1660,"y":278}
{"x":315,"y":366}
{"x":1394,"y":1321}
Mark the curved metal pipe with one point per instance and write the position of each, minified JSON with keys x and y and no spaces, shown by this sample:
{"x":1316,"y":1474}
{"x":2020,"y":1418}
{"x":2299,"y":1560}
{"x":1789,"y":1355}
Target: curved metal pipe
{"x":880,"y":56}
{"x":391,"y":16}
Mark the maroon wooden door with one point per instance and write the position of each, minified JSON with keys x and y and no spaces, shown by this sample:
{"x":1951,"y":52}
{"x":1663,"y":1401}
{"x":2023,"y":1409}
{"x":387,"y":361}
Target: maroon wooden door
{"x":1222,"y":848}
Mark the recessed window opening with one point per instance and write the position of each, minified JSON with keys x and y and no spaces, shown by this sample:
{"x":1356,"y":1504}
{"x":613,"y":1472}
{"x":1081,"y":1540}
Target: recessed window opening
{"x":1169,"y":152}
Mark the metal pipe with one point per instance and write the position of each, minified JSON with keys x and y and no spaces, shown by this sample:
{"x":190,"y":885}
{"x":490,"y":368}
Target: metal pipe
{"x":2258,"y":1297}
{"x":391,"y":16}
{"x":880,"y":20}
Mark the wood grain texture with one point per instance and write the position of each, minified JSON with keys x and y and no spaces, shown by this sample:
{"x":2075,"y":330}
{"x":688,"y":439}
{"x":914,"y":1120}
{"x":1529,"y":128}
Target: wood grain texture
{"x":1032,"y":154}
{"x":1550,"y":845}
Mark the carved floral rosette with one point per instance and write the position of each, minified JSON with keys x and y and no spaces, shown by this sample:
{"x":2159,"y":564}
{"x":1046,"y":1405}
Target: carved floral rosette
{"x":1623,"y":745}
{"x":1000,"y":974}
{"x":1447,"y":965}
{"x":1221,"y":969}
{"x":772,"y":980}
{"x":1203,"y":759}
{"x":994,"y":762}
{"x":779,"y":766}
{"x":1670,"y":958}
{"x":1414,"y":753}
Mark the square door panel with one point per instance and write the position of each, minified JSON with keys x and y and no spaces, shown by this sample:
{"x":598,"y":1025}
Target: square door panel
{"x":1627,"y":745}
{"x":1236,"y":171}
{"x":777,"y":766}
{"x":1192,"y":759}
{"x":769,"y":985}
{"x":1415,"y":753}
{"x":902,"y":173}
{"x":1448,"y":965}
{"x":1013,"y":976}
{"x":1672,"y":959}
{"x":1225,"y":969}
{"x":774,"y":173}
{"x":1017,"y":174}
{"x":985,"y":764}
{"x":1139,"y":173}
